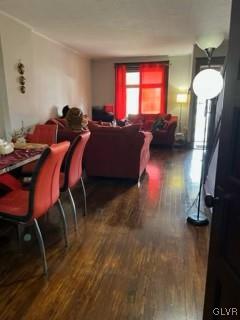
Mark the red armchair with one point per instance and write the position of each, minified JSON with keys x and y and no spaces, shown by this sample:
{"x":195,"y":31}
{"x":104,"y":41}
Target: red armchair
{"x":164,"y":136}
{"x":117,"y":152}
{"x":64,"y":133}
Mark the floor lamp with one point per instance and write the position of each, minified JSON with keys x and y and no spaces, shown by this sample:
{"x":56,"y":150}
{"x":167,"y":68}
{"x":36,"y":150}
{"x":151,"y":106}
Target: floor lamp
{"x":206,"y":85}
{"x":181,"y":99}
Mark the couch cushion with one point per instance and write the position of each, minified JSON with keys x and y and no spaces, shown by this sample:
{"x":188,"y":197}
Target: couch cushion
{"x":93,"y":126}
{"x":131,"y":128}
{"x":135,"y":118}
{"x":128,"y":129}
{"x":149,"y":117}
{"x":147,"y":126}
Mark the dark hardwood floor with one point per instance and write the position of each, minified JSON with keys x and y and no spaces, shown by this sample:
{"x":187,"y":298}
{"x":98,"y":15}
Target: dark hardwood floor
{"x":134,"y":257}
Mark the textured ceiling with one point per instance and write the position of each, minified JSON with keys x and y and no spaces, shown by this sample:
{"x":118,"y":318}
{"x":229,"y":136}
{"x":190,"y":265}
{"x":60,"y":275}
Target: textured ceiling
{"x":110,"y":28}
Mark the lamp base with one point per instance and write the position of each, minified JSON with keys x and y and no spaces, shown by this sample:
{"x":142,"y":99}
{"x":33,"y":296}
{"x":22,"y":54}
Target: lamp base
{"x":198,"y":219}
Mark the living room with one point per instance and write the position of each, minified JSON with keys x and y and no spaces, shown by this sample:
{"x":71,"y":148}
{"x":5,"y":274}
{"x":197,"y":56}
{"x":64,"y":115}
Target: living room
{"x":131,"y":254}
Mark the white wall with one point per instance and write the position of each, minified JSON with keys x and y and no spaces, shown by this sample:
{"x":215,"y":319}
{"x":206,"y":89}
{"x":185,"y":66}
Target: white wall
{"x":103,"y":79}
{"x":55,"y":75}
{"x":60,"y":77}
{"x":16,"y":44}
{"x":4,"y":112}
{"x":179,"y":81}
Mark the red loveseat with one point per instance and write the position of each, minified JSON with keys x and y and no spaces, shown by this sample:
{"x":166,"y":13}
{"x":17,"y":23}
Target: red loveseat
{"x":164,"y":136}
{"x":118,"y":152}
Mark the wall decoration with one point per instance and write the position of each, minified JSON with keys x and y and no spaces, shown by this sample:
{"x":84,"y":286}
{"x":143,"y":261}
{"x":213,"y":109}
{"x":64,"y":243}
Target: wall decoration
{"x":21,"y":79}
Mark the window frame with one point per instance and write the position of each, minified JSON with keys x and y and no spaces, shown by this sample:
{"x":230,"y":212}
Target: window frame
{"x":135,"y":67}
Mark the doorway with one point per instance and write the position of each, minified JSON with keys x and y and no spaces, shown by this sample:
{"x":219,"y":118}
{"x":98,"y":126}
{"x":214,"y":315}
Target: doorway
{"x":203,"y":111}
{"x":202,"y":114}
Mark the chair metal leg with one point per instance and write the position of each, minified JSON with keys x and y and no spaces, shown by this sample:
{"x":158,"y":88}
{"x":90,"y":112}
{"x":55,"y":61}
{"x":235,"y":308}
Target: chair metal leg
{"x":41,"y":245}
{"x":61,"y":211}
{"x":85,"y":197}
{"x":73,"y":208}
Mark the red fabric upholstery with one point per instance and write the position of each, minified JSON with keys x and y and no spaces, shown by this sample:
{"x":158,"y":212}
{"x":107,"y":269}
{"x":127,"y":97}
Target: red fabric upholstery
{"x":165,"y":136}
{"x":73,"y":167}
{"x":43,"y":133}
{"x":15,"y":203}
{"x":117,"y":153}
{"x":66,"y":134}
{"x":9,"y":182}
{"x":61,"y":123}
{"x":63,"y":133}
{"x":24,"y":205}
{"x":135,"y":118}
{"x":108,"y":108}
{"x":46,"y":188}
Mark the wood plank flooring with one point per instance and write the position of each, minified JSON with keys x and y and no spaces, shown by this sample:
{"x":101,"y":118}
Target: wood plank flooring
{"x":134,"y":257}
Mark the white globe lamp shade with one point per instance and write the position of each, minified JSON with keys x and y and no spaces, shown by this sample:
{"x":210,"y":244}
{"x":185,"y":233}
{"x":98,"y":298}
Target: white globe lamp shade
{"x":210,"y":41}
{"x":207,"y":84}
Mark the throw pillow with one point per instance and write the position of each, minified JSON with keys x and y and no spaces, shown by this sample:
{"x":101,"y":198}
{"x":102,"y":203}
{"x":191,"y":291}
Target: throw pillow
{"x":108,"y":108}
{"x":158,"y":124}
{"x":131,"y":128}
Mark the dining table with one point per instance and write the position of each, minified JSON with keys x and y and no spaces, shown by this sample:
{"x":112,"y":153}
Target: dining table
{"x":22,"y":155}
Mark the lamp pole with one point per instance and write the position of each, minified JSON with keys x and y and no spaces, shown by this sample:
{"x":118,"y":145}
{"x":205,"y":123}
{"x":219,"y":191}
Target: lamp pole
{"x":180,"y":119}
{"x":203,"y":87}
{"x":198,"y":218}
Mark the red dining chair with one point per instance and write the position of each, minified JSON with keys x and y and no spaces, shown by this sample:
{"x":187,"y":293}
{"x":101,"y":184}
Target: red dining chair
{"x":73,"y":171}
{"x":43,"y":133}
{"x":9,"y":182}
{"x":24,"y":207}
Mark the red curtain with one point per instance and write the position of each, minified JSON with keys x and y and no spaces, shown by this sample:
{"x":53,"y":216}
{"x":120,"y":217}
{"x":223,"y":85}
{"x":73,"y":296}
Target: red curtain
{"x":120,"y":92}
{"x":153,"y":88}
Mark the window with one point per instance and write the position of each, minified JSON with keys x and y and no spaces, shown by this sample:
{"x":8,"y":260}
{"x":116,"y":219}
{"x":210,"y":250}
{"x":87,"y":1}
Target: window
{"x":132,"y":94}
{"x":153,"y":88}
{"x":140,"y":88}
{"x":146,"y":93}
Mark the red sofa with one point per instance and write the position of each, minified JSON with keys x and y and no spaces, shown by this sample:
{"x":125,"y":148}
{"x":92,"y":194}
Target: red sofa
{"x":63,"y":133}
{"x":164,"y":136}
{"x":117,"y":152}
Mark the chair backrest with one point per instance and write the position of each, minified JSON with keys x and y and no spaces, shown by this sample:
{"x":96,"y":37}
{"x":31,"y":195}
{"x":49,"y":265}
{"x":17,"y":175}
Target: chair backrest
{"x":73,"y":164}
{"x":44,"y":133}
{"x":44,"y":190}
